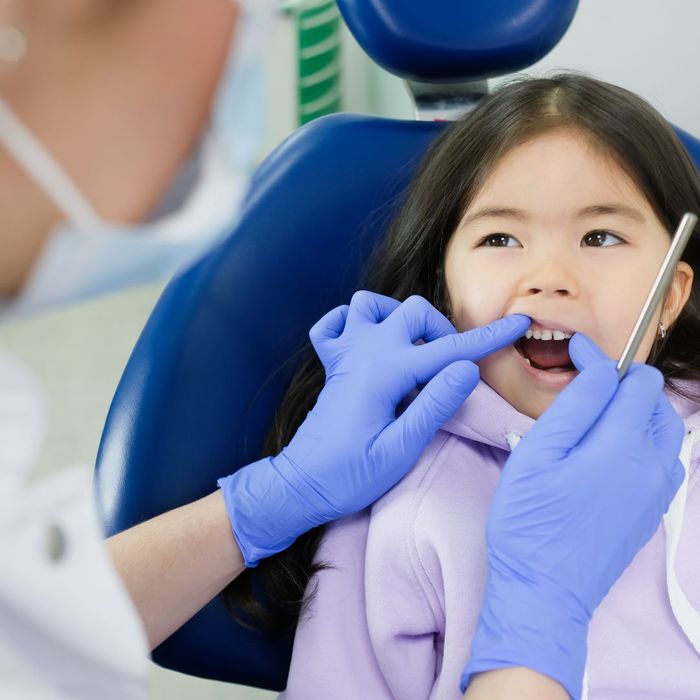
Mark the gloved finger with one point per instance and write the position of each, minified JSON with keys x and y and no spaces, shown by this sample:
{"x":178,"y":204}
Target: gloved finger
{"x":667,"y":432}
{"x":329,"y":327}
{"x":369,"y":307}
{"x":430,"y":410}
{"x":573,"y":413}
{"x":471,"y":345}
{"x":420,"y":320}
{"x":583,"y":351}
{"x":635,"y":400}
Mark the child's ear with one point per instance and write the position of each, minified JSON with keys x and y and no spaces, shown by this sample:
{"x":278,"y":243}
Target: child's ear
{"x":678,"y":293}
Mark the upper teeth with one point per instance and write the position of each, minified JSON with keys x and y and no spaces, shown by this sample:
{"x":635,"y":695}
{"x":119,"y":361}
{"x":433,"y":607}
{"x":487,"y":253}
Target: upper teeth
{"x":547,"y":335}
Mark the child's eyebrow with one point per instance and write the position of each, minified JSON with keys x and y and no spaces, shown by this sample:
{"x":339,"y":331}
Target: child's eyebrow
{"x":615,"y":209}
{"x":496,"y":212}
{"x":593,"y":210}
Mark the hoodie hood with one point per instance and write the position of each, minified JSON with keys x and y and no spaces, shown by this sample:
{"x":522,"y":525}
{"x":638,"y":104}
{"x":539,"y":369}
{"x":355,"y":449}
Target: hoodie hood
{"x":688,"y":410}
{"x":488,"y":418}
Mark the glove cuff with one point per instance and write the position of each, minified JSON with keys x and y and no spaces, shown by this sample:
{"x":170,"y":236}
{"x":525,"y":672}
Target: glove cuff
{"x":526,"y":624}
{"x":265,"y":515}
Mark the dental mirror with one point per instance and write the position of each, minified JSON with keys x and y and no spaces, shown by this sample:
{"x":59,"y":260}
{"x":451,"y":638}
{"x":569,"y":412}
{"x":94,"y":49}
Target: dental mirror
{"x":658,"y":291}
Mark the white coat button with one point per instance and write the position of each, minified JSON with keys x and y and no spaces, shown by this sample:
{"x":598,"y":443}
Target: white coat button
{"x":55,"y":543}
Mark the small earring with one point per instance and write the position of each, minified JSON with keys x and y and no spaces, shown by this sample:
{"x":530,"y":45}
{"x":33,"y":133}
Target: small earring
{"x":662,"y":330}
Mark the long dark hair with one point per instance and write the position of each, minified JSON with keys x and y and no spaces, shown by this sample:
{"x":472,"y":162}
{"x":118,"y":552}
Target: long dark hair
{"x":410,"y":258}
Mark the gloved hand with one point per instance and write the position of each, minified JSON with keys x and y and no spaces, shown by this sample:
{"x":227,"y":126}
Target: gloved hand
{"x":579,"y":496}
{"x":351,"y":448}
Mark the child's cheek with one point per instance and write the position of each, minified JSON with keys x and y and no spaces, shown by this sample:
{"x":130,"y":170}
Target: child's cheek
{"x":474,"y":304}
{"x":614,"y":337}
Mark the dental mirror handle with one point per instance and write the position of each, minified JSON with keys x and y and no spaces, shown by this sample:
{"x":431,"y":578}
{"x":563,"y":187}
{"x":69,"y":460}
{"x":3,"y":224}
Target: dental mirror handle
{"x":658,"y":291}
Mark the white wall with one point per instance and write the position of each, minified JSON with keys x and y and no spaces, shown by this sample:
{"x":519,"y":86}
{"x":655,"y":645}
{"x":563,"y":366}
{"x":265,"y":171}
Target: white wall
{"x":648,"y":46}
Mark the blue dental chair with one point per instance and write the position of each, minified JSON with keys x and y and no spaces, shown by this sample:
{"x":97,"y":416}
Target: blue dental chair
{"x":212,"y":363}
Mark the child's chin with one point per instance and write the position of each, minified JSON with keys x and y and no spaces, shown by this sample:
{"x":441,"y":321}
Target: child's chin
{"x":530,"y":403}
{"x":535,"y":409}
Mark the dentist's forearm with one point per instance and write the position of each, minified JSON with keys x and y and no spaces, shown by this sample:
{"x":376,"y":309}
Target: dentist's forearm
{"x":176,"y":563}
{"x":516,"y":683}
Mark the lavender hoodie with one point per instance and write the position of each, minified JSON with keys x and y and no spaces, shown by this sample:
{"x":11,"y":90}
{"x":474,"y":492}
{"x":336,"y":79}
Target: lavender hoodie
{"x":395,"y":615}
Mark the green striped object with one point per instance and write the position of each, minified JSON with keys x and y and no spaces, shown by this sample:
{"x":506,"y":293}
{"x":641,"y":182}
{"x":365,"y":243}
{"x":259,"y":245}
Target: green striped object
{"x":319,"y":32}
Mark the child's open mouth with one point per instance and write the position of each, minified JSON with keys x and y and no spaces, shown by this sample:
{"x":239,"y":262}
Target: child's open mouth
{"x":547,"y":355}
{"x":546,"y":361}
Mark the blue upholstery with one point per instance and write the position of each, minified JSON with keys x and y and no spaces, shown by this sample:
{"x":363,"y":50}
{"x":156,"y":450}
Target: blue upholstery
{"x":691,"y":144}
{"x":457,"y":40}
{"x":203,"y":381}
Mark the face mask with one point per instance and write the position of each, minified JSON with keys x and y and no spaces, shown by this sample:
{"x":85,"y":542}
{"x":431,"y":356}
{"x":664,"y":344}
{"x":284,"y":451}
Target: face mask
{"x":78,"y":262}
{"x":86,"y":256}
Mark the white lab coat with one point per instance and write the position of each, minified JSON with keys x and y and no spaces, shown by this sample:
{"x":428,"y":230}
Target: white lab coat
{"x":68,"y":629}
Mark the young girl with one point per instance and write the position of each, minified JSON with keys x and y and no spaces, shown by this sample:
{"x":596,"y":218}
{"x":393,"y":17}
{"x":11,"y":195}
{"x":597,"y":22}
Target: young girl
{"x":554,"y":198}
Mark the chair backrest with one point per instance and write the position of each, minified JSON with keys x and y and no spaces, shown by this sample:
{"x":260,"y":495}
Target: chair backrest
{"x":201,"y":386}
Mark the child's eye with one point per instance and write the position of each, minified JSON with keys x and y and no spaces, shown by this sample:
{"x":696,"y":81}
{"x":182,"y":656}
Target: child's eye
{"x":498,"y":240}
{"x":597,"y":239}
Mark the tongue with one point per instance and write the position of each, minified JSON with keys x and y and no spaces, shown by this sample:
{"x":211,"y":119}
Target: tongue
{"x":547,"y":354}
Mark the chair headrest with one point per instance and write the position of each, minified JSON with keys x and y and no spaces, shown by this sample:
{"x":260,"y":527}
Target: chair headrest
{"x":457,"y":40}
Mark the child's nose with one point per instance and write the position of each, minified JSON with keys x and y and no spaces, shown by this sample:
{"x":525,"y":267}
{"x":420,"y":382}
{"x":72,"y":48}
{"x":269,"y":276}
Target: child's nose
{"x":550,"y":277}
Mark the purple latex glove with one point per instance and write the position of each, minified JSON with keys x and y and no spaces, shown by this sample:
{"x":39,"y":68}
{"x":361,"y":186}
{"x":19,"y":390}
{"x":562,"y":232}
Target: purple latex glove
{"x":580,"y":495}
{"x":351,"y":448}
